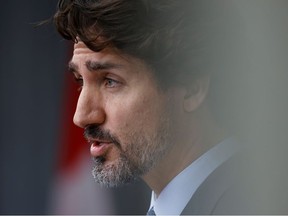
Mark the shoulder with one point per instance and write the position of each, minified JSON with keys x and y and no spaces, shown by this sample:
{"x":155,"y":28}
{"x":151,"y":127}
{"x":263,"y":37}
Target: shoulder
{"x":237,"y":188}
{"x":212,"y":190}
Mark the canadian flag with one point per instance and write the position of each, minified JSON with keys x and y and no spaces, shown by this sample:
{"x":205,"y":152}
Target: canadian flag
{"x":74,"y":190}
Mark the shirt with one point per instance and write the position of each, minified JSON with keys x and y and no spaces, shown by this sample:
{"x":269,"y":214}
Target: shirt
{"x":175,"y":196}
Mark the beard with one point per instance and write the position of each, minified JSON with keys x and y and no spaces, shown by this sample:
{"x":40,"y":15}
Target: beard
{"x":136,"y":156}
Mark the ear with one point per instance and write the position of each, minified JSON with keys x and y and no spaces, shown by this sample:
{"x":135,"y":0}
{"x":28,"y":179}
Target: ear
{"x":196,"y":94}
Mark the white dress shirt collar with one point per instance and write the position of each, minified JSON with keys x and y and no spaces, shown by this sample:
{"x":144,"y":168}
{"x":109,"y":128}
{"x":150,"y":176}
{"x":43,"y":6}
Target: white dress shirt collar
{"x":175,"y":196}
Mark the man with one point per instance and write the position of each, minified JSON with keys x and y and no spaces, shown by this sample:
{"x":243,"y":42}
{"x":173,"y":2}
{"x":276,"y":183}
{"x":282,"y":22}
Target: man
{"x":145,"y":70}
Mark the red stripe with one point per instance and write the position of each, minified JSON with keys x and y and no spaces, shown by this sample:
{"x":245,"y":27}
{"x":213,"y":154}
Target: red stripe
{"x":71,"y":137}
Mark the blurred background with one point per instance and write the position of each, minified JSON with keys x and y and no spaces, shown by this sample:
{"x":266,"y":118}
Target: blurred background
{"x":45,"y":166}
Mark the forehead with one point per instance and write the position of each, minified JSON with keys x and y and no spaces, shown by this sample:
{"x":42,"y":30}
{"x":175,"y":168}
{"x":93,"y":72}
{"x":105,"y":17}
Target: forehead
{"x":80,"y":49}
{"x":82,"y":55}
{"x":109,"y":56}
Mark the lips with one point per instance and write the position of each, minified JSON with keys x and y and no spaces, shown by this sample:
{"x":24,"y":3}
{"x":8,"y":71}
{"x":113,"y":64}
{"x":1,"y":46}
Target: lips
{"x":99,"y":148}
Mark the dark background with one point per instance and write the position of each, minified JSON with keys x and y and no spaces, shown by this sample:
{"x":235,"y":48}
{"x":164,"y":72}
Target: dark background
{"x":31,"y":78}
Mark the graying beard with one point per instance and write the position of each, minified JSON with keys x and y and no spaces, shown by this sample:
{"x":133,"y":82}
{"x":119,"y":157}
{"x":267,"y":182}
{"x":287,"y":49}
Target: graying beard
{"x":127,"y":170}
{"x":113,"y":175}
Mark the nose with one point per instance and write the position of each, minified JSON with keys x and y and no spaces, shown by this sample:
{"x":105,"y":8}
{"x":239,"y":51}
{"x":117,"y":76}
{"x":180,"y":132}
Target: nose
{"x":89,"y":109}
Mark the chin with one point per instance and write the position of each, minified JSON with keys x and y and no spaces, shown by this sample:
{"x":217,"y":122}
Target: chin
{"x":113,"y":172}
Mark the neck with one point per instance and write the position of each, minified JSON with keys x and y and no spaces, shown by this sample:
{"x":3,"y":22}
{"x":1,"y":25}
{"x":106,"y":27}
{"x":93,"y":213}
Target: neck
{"x":200,"y":138}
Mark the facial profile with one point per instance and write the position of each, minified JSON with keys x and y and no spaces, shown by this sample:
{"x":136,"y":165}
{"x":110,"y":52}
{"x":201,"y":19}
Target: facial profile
{"x":123,"y":112}
{"x":126,"y":69}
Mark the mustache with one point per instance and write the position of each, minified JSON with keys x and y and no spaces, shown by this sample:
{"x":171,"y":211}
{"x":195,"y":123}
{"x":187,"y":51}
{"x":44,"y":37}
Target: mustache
{"x":96,"y":132}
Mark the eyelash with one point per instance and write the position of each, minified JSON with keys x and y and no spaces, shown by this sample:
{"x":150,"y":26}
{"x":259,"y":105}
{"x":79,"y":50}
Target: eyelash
{"x":79,"y":81}
{"x":109,"y":80}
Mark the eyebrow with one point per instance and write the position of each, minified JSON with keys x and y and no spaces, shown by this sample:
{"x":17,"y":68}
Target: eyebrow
{"x":94,"y":66}
{"x":72,"y":67}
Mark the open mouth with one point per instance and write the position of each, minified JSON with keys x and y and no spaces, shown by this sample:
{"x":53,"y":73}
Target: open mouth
{"x":99,"y":148}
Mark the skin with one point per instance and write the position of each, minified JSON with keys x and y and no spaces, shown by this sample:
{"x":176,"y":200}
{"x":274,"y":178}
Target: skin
{"x":123,"y":97}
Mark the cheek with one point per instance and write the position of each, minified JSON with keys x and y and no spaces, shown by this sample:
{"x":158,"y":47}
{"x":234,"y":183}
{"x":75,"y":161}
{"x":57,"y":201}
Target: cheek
{"x":136,"y":114}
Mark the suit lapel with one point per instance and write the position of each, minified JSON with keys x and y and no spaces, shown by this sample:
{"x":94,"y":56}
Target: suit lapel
{"x":205,"y":199}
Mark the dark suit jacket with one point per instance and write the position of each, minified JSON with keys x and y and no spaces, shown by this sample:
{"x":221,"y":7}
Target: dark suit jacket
{"x":234,"y":188}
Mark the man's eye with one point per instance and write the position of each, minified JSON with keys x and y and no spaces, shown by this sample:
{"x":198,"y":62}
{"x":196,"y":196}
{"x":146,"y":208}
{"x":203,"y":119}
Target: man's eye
{"x":79,"y":81}
{"x":110,"y":83}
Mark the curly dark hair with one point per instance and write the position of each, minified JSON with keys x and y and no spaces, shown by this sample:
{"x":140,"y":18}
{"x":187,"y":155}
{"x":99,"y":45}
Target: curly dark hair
{"x":178,"y":38}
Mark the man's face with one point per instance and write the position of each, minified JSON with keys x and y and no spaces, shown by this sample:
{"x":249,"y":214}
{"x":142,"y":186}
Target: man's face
{"x":123,"y":113}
